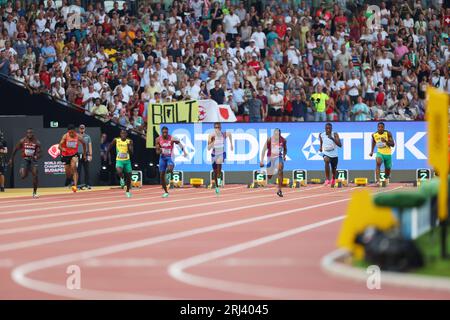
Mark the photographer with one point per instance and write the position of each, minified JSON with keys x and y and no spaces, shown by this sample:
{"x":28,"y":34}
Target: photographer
{"x":319,"y":104}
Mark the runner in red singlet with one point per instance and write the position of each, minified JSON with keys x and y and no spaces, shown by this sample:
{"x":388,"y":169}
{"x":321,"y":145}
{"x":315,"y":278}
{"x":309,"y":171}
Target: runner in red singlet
{"x":31,"y":152}
{"x":69,"y":152}
{"x":164,"y":147}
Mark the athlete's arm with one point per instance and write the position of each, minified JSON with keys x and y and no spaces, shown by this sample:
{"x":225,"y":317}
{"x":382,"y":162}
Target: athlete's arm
{"x":112,"y":144}
{"x":89,"y":158}
{"x":17,"y":147}
{"x":63,"y":141}
{"x":81,"y":140}
{"x":37,"y":154}
{"x":178,"y":142}
{"x":285,"y":150}
{"x":321,"y":142}
{"x":130,"y":147}
{"x":373,"y":146}
{"x":158,"y":147}
{"x":263,"y":153}
{"x":231,"y":140}
{"x":211,"y":139}
{"x":390,"y":141}
{"x":337,"y":140}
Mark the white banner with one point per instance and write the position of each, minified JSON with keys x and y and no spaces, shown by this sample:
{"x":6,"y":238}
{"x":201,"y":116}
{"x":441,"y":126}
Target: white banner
{"x":210,"y":111}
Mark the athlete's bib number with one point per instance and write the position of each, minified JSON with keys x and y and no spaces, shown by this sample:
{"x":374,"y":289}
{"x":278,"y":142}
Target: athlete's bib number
{"x":71,"y":144}
{"x":166,"y":151}
{"x":122,"y":155}
{"x":330,"y":148}
{"x":29,"y":152}
{"x":381,"y":144}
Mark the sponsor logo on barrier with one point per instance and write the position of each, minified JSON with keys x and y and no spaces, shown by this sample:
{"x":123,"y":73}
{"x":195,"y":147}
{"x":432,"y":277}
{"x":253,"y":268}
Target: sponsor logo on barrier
{"x":54,"y":151}
{"x":303,"y":145}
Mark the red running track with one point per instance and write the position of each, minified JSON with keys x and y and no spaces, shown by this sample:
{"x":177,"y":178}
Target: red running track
{"x":243,"y":244}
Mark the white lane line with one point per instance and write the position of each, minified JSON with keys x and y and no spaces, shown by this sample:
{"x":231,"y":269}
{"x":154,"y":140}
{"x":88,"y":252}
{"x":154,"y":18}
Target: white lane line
{"x":77,"y":212}
{"x":20,"y":273}
{"x":95,"y":232}
{"x":113,"y":194}
{"x":119,"y":199}
{"x":125,"y":262}
{"x":177,"y":269}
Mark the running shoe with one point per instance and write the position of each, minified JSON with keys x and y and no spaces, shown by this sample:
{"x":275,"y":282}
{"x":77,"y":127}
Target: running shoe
{"x":217,"y":190}
{"x":88,"y":187}
{"x":122,"y":183}
{"x":333,"y":183}
{"x":35,"y":195}
{"x":327,"y":182}
{"x":74,"y":188}
{"x":165,"y":195}
{"x":128,"y":194}
{"x":280,"y":193}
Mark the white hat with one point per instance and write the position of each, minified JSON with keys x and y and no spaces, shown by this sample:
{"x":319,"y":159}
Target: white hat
{"x":47,"y":30}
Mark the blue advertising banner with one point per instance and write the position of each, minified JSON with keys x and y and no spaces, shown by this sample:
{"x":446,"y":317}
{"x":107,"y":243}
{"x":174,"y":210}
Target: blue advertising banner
{"x":303,"y":145}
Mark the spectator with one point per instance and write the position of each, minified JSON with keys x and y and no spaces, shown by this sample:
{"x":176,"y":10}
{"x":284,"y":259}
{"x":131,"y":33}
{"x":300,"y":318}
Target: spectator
{"x":255,"y":108}
{"x":276,"y":103}
{"x":319,"y":102}
{"x":360,"y":111}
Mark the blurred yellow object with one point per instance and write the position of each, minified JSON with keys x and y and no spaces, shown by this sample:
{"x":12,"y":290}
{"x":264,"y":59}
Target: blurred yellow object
{"x":437,"y":118}
{"x":362,"y":213}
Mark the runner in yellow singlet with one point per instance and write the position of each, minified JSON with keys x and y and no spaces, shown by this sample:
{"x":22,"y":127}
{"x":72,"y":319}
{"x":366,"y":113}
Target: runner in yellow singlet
{"x":124,"y":148}
{"x":384,"y":142}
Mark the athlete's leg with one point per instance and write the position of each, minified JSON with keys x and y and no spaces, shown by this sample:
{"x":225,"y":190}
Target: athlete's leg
{"x":333,"y":163}
{"x":327,"y":167}
{"x":73,"y":166}
{"x":79,"y":169}
{"x":128,"y":180}
{"x":23,"y":172}
{"x":379,"y":160}
{"x":34,"y":173}
{"x":2,"y":180}
{"x":162,"y":174}
{"x":388,"y":166}
{"x":280,"y":175}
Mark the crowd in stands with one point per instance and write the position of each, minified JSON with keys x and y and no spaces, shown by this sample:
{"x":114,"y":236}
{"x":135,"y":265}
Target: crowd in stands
{"x":284,"y":60}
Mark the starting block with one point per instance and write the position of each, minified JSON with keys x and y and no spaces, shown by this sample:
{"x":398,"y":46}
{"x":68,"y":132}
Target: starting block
{"x":316,"y":181}
{"x":297,"y":184}
{"x":257,"y":184}
{"x":212,"y":183}
{"x":285,"y":181}
{"x":175,"y":184}
{"x":196,"y":182}
{"x":340,"y":183}
{"x":361,"y":181}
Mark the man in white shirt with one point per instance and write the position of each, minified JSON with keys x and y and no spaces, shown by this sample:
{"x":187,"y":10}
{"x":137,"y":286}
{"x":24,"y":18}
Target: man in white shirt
{"x":252,"y":48}
{"x":89,"y":98}
{"x":193,"y":90}
{"x":386,"y":64}
{"x":260,"y":39}
{"x":231,"y":23}
{"x":353,"y":85}
{"x":127,"y":92}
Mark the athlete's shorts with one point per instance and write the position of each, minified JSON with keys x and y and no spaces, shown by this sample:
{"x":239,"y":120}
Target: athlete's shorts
{"x":272,"y":165}
{"x":164,"y":162}
{"x":386,"y":160}
{"x":220,"y":156}
{"x":68,"y":159}
{"x":28,"y":164}
{"x":125,"y":165}
{"x":333,"y":161}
